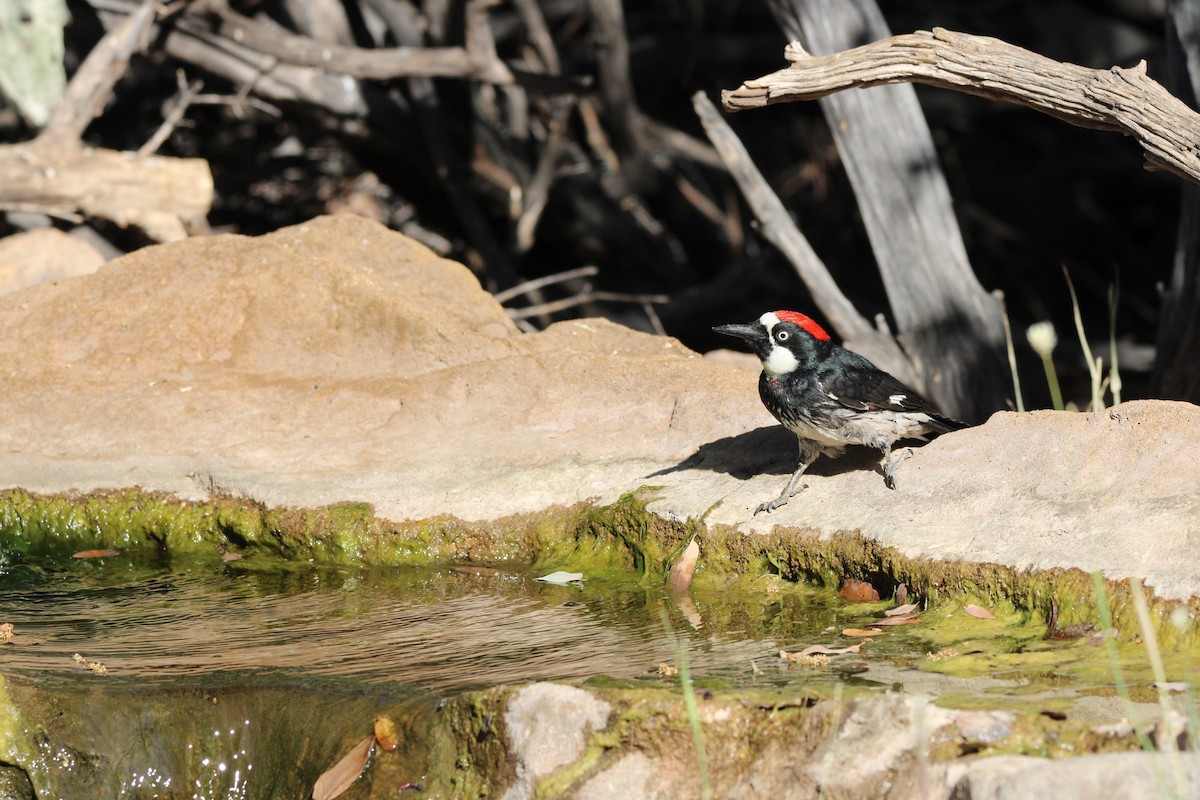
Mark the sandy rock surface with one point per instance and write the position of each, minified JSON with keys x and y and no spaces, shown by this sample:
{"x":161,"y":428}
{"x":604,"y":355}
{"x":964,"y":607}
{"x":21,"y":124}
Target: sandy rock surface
{"x":43,"y":256}
{"x":337,"y":361}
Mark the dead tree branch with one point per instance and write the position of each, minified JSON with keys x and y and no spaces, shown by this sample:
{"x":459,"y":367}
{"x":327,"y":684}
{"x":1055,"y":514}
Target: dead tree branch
{"x":778,"y":228}
{"x":1118,"y":99}
{"x":92,"y":85}
{"x":162,"y":196}
{"x":409,"y":62}
{"x":56,"y":175}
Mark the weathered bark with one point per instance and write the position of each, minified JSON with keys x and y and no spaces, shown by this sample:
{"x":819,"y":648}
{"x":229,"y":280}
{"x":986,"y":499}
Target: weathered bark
{"x":91,"y":88}
{"x":163,"y":196}
{"x":56,"y":174}
{"x":1177,"y":362}
{"x":1117,"y":99}
{"x":396,"y":62}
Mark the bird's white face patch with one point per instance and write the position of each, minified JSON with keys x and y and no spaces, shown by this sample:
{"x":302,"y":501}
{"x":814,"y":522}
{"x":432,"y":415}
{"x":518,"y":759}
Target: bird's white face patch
{"x":897,"y":399}
{"x":780,"y":361}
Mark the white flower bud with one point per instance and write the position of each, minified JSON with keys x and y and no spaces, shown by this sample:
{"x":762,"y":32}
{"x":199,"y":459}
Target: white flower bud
{"x":1042,"y":338}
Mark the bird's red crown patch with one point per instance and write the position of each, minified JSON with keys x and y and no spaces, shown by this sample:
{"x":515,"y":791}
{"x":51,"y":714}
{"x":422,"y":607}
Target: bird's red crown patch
{"x":804,"y":322}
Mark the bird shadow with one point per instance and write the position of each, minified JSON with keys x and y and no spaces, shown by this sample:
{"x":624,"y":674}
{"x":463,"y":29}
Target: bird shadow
{"x":770,"y":450}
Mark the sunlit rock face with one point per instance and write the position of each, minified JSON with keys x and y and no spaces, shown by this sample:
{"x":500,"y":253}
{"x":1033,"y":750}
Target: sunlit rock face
{"x":339,"y":361}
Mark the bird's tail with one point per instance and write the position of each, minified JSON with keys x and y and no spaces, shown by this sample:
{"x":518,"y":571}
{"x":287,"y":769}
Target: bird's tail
{"x":943,"y":424}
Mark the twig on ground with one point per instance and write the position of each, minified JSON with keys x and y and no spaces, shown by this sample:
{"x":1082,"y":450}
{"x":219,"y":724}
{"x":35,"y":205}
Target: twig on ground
{"x":548,"y":280}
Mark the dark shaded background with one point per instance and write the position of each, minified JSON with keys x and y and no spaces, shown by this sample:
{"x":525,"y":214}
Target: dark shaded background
{"x":1031,"y":193}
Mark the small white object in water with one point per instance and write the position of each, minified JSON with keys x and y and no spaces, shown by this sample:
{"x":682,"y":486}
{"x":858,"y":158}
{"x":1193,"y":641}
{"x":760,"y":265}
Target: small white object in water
{"x":562,"y":578}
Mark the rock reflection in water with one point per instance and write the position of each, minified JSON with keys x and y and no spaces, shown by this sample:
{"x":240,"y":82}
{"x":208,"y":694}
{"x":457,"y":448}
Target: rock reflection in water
{"x":433,"y":630}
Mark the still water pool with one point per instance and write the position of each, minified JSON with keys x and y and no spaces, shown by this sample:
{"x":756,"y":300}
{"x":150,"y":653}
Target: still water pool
{"x":247,"y":678}
{"x":428,"y":630}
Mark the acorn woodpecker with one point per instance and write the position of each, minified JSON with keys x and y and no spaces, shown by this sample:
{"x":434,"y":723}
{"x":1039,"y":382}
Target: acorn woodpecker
{"x":831,"y":397}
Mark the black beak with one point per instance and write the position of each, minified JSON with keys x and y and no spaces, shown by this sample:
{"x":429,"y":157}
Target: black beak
{"x":751,"y":332}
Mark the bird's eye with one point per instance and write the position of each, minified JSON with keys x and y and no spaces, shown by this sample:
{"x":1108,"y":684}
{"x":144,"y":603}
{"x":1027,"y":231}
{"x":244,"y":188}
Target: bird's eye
{"x":782,"y":336}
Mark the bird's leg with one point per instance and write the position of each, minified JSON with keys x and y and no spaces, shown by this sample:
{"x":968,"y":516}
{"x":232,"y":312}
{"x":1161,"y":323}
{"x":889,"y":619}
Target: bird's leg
{"x":890,"y":467}
{"x":808,"y":454}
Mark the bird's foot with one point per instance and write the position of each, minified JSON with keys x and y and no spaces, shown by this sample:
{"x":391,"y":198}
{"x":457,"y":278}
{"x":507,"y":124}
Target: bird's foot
{"x":771,"y":505}
{"x":890,"y":467}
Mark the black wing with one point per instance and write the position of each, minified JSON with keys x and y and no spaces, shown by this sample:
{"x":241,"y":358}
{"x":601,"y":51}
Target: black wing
{"x":856,"y":383}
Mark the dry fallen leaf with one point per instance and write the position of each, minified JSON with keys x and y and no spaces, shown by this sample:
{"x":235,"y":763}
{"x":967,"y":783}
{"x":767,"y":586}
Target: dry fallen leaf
{"x":979,"y":612}
{"x":820,"y":650}
{"x":898,"y":610}
{"x":385,"y":733}
{"x":856,"y":591}
{"x":861,"y":632}
{"x":1172,"y":686}
{"x":685,"y":567}
{"x":96,"y":554}
{"x":342,"y":775}
{"x":561,"y":578}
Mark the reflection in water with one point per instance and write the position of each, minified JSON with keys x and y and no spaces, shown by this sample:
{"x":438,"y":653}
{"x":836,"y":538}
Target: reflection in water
{"x":248,"y":679}
{"x":431,"y":630}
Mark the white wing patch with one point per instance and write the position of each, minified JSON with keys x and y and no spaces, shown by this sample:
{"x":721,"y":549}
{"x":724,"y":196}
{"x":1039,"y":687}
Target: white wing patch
{"x":897,"y":399}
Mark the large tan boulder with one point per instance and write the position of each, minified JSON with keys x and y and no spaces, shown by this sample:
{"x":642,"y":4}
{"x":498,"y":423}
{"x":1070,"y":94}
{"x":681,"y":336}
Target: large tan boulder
{"x":339,"y":361}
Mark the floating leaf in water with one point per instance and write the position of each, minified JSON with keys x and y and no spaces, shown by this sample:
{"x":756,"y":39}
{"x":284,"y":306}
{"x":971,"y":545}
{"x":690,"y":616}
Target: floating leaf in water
{"x":812,"y":661}
{"x":979,"y":612}
{"x":856,"y":591}
{"x":385,"y":733}
{"x":907,"y":608}
{"x":96,"y":554}
{"x":1172,"y":686}
{"x":562,"y":578}
{"x":9,"y":636}
{"x":342,"y":775}
{"x":94,"y":666}
{"x":948,"y":652}
{"x":820,"y":650}
{"x":817,"y":649}
{"x":685,"y":567}
{"x":861,"y":632}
